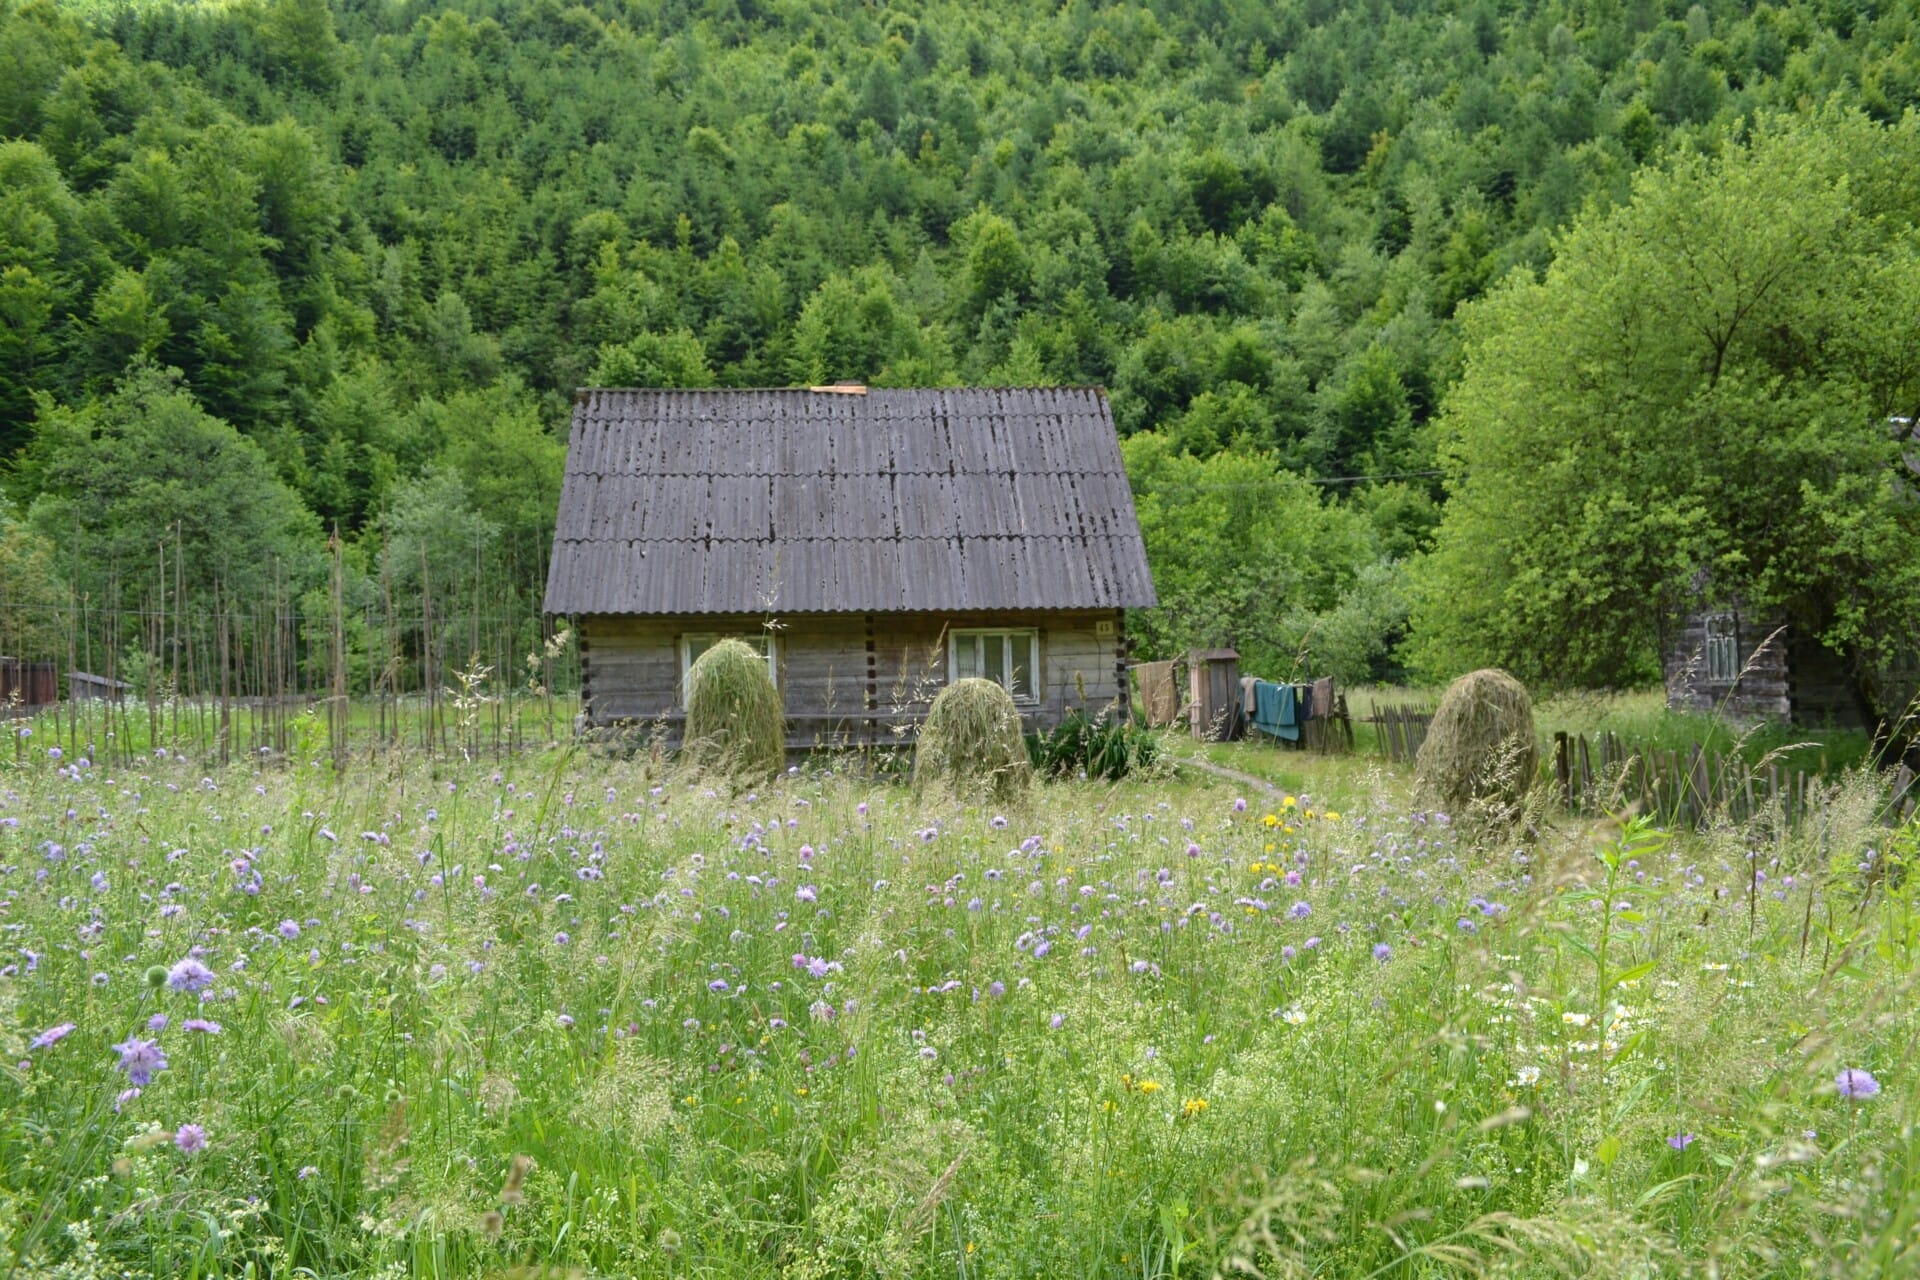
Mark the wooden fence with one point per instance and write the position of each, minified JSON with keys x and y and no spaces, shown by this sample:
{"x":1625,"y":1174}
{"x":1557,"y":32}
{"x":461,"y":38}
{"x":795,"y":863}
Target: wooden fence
{"x":1330,"y":731}
{"x":1681,"y":786}
{"x":1399,"y":729}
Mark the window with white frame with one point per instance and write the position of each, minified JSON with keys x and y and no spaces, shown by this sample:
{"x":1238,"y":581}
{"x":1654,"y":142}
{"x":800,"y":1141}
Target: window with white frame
{"x":695,"y":644}
{"x":1010,"y":657}
{"x":1723,"y":648}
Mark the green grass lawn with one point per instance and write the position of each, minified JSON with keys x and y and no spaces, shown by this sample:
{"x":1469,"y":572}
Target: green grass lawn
{"x":568,"y":1014}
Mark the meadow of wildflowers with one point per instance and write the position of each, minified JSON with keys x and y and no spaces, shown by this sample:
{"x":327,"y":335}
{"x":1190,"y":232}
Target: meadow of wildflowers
{"x":573,"y":1016}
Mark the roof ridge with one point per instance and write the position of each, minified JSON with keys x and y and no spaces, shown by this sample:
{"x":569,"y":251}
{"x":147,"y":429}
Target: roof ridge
{"x":827,"y":391}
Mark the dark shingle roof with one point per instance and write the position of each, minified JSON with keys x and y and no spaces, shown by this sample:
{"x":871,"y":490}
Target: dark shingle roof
{"x":813,"y":501}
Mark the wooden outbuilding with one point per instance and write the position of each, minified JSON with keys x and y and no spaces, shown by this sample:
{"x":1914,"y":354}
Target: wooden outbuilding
{"x":1719,"y":655}
{"x":873,"y":544}
{"x":84,"y":686}
{"x":27,"y":685}
{"x":1749,"y":665}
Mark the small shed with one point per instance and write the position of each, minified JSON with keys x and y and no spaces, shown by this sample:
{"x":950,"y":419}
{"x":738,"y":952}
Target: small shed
{"x":84,"y":686}
{"x":872,"y":544}
{"x":27,"y":684}
{"x":1214,"y":696}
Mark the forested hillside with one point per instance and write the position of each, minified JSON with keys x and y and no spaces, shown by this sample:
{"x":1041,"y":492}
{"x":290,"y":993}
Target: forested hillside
{"x":381,"y":242}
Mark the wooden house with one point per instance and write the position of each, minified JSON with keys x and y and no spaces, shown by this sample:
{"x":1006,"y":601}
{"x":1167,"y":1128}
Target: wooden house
{"x":1748,"y":665}
{"x":1751,"y":665}
{"x":873,"y":544}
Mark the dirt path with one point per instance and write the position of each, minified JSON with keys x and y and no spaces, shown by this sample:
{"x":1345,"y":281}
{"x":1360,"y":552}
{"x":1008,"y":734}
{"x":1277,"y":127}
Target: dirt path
{"x":1231,"y":775}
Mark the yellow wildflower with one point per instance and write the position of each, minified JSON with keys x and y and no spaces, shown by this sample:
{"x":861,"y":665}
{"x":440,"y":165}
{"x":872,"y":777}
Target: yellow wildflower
{"x":1149,"y":1086}
{"x":1192,"y":1107}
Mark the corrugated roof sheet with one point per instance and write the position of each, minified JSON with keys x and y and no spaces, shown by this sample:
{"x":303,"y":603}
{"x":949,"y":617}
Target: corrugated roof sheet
{"x":803,"y":501}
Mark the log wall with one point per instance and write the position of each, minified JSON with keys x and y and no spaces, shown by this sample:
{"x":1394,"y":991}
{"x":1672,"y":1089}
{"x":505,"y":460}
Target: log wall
{"x":846,"y":680}
{"x":1761,"y":691}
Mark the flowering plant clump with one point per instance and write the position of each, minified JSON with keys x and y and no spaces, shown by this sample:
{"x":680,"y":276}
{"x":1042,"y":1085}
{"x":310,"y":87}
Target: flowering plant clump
{"x":582,"y":1009}
{"x":1855,"y":1083}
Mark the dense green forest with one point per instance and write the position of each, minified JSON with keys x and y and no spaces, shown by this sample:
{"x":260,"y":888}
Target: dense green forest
{"x":269,"y":270}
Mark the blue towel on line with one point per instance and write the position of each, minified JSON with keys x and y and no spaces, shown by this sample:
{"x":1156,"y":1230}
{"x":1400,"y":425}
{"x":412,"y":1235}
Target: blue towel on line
{"x":1276,"y":710}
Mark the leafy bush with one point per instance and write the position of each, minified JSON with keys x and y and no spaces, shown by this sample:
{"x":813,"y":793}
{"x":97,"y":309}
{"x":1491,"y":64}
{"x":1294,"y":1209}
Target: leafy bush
{"x":735,"y":724}
{"x":971,"y":743}
{"x":1094,"y":745}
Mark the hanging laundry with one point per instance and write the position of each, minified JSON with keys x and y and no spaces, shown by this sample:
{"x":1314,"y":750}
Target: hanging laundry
{"x":1276,"y":710}
{"x":1323,"y":696}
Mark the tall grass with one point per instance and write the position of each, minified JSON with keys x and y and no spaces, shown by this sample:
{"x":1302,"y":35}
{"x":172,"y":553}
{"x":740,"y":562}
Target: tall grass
{"x":571,"y":1013}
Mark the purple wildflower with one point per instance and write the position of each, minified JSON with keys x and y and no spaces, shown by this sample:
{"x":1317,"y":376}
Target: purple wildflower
{"x":1300,"y":911}
{"x":51,"y":1036}
{"x":189,"y":975}
{"x":1680,"y":1141}
{"x":140,"y":1059}
{"x":190,"y":1138}
{"x":206,"y":1025}
{"x":1854,"y":1083}
{"x":1382,"y":952}
{"x":718,"y":986}
{"x":158,"y":1022}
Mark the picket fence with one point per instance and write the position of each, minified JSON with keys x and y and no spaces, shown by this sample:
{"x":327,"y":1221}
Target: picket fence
{"x":1688,"y":786}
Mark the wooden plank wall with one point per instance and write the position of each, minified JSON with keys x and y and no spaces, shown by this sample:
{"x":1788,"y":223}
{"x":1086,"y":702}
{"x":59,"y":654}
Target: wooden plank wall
{"x":1762,"y":691}
{"x":845,"y":679}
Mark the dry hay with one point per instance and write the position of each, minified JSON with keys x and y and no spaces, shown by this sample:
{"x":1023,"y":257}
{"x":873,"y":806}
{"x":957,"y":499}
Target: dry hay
{"x":1479,"y":756}
{"x":971,"y":743}
{"x":735,"y":723}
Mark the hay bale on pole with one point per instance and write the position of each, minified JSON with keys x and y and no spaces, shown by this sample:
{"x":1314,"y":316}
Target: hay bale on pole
{"x":971,"y":743}
{"x":1479,"y":756}
{"x":735,"y":723}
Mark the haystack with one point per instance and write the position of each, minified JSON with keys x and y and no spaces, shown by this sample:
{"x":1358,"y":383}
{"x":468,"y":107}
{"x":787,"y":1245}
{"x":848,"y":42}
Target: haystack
{"x":735,"y":724}
{"x":1479,"y":756}
{"x":971,"y":743}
